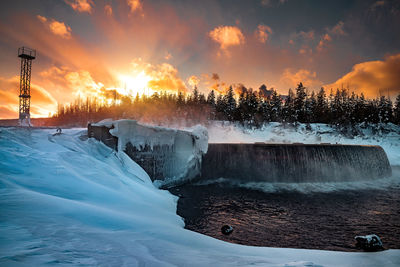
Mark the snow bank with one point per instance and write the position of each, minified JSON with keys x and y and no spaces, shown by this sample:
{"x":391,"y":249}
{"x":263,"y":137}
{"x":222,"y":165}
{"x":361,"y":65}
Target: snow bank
{"x":180,"y":151}
{"x":224,"y":132}
{"x":69,"y":202}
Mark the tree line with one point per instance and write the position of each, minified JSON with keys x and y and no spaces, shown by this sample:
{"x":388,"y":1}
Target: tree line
{"x":249,"y":107}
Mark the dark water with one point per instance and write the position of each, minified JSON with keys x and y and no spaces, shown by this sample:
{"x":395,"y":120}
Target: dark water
{"x":328,"y":221}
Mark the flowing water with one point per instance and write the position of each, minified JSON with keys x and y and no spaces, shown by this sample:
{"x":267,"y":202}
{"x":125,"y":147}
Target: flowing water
{"x":326,"y":219}
{"x":295,"y":163}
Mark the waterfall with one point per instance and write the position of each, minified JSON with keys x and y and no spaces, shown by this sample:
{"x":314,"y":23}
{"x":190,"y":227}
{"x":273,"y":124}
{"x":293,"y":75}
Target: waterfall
{"x":295,"y":162}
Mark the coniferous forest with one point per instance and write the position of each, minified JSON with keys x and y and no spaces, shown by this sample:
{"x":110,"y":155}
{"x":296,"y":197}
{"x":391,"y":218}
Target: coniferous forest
{"x":252,"y":108}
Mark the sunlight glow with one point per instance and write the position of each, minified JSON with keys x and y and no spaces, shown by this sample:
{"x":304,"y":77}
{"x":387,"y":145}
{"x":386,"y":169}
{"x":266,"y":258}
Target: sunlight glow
{"x":133,"y":84}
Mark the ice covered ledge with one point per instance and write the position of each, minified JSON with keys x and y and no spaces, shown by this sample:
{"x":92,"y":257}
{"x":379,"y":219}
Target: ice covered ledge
{"x":169,"y":156}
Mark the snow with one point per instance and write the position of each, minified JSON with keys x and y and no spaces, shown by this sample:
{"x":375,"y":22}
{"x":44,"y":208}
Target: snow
{"x":224,"y":132}
{"x":70,"y":202}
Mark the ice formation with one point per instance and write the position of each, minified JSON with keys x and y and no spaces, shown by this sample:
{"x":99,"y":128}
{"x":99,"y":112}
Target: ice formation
{"x":179,"y":151}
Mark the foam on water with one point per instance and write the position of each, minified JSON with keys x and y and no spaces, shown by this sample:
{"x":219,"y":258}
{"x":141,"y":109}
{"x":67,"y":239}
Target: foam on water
{"x":268,"y":187}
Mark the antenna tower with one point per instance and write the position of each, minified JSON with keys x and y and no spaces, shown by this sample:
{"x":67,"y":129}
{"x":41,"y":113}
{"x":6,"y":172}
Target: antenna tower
{"x":26,"y":55}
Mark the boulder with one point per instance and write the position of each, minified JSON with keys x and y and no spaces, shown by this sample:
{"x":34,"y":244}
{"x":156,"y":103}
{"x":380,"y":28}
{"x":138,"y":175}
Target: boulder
{"x":226,"y":229}
{"x":369,"y":242}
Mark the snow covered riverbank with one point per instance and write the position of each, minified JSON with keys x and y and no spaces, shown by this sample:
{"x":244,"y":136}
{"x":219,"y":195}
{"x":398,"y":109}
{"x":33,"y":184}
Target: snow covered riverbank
{"x":70,"y":202}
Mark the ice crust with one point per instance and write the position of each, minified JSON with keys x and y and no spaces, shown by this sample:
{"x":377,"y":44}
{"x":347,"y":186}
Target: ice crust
{"x":68,"y":202}
{"x":188,"y":146}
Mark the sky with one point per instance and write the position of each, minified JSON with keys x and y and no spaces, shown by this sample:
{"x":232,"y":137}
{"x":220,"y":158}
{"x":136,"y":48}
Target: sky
{"x":88,"y":48}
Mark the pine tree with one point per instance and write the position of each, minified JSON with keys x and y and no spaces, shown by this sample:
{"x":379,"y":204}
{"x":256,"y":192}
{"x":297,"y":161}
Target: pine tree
{"x":265,"y":110}
{"x":241,"y":111}
{"x":288,"y":109}
{"x":220,"y":108}
{"x":396,"y":111}
{"x":321,"y":107}
{"x":195,"y":96}
{"x":180,"y":100}
{"x":276,"y":106}
{"x":230,"y":104}
{"x":385,"y":110}
{"x":310,"y":107}
{"x":299,"y":103}
{"x":211,"y":98}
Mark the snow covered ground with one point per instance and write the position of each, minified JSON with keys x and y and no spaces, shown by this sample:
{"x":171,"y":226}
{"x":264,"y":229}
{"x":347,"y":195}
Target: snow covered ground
{"x":70,"y":202}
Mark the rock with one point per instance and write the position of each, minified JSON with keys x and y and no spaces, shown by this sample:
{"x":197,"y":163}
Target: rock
{"x":369,"y":242}
{"x":58,"y":132}
{"x":226,"y":229}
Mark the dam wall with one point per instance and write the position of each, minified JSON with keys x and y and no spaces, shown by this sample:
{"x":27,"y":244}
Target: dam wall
{"x":169,"y":156}
{"x":297,"y":163}
{"x":255,"y":162}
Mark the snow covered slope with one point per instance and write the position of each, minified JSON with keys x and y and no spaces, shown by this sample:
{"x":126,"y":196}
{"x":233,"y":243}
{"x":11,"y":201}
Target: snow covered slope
{"x":68,"y":202}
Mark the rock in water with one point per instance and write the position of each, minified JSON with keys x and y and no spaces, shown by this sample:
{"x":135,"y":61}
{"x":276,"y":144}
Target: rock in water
{"x":226,"y":229}
{"x":369,"y":242}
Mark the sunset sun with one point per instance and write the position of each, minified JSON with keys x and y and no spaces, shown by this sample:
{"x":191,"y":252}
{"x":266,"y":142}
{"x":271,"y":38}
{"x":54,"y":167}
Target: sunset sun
{"x":135,"y":83}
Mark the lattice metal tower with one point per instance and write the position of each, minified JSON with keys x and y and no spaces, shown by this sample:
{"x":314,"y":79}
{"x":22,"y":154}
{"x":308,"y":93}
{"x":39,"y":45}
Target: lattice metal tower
{"x":26,"y":55}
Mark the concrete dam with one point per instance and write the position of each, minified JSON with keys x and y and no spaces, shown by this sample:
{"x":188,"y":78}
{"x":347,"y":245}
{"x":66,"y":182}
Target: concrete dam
{"x":259,"y":162}
{"x":298,"y":163}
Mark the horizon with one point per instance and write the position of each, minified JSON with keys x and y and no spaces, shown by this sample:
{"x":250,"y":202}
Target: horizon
{"x":89,"y":48}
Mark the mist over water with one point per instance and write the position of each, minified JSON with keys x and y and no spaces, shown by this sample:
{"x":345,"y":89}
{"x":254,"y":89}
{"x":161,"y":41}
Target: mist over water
{"x":310,"y":187}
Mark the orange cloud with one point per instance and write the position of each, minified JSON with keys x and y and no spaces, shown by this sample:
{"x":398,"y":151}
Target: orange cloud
{"x":338,"y":29}
{"x":302,"y":37}
{"x":165,"y":78}
{"x":307,"y":35}
{"x":168,"y":56}
{"x":325,"y":40}
{"x":56,"y":27}
{"x":8,"y":113}
{"x":304,"y":50}
{"x":74,"y":84}
{"x":81,"y":5}
{"x":41,"y":101}
{"x":262,"y":33}
{"x":134,"y":5}
{"x":373,"y":77}
{"x":68,"y":52}
{"x":193,"y":81}
{"x":213,"y":82}
{"x":227,"y":36}
{"x":291,"y":78}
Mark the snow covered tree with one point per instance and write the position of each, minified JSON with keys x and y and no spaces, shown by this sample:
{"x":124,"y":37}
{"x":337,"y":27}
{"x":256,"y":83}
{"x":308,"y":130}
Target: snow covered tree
{"x":288,"y":112}
{"x":220,"y":108}
{"x":211,"y":98}
{"x":310,"y":106}
{"x":299,"y":103}
{"x":230,"y":104}
{"x":385,"y":110}
{"x":321,"y":107}
{"x":396,"y":111}
{"x":180,"y":100}
{"x":276,"y":106}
